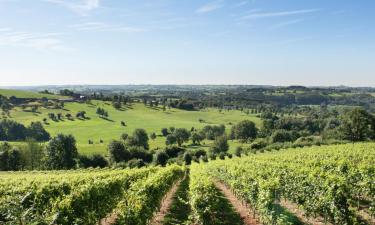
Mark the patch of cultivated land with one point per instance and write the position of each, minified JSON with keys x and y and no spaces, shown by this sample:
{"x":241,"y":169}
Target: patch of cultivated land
{"x":135,"y":116}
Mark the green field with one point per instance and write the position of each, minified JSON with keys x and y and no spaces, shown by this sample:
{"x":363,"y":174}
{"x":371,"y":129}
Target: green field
{"x":28,"y":94}
{"x":135,"y":116}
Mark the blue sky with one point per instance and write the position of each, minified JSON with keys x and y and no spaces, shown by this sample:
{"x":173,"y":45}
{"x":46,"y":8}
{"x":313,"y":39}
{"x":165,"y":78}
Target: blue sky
{"x":277,"y":42}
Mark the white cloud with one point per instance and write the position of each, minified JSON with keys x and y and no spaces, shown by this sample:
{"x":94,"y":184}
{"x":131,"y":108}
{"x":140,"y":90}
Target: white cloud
{"x":98,"y":26}
{"x":42,"y":42}
{"x":279,"y":14}
{"x":210,"y":7}
{"x":82,"y":7}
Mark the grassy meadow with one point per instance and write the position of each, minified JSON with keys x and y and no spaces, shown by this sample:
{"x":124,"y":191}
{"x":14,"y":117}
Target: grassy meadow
{"x":135,"y":116}
{"x":28,"y":94}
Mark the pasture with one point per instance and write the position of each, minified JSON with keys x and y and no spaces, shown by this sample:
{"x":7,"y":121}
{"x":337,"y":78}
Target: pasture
{"x":137,"y":115}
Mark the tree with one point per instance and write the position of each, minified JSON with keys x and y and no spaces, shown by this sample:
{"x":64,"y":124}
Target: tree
{"x":196,"y":138}
{"x":164,"y":132}
{"x":35,"y":153}
{"x":124,"y":136}
{"x":211,"y":132}
{"x":358,"y":125}
{"x":153,"y":136}
{"x":139,"y":138}
{"x":187,"y":158}
{"x":161,"y":158}
{"x":68,"y":116}
{"x":238,"y":151}
{"x":10,"y":160}
{"x":284,"y":136}
{"x":140,"y":153}
{"x":117,"y":105}
{"x":220,"y":145}
{"x":244,"y":130}
{"x":14,"y":160}
{"x":182,"y":135}
{"x":117,"y":152}
{"x":171,"y":139}
{"x":92,"y":161}
{"x":37,"y":132}
{"x":61,"y":152}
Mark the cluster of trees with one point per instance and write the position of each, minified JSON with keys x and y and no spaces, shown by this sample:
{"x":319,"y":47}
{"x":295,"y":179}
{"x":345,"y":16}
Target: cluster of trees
{"x":358,"y":125}
{"x":102,"y":113}
{"x":5,"y":104}
{"x":132,"y":151}
{"x":314,"y":127}
{"x":67,"y":92}
{"x":12,"y":131}
{"x":60,"y":153}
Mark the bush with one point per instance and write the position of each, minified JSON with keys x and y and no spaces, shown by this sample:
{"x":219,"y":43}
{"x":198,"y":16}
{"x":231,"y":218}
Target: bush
{"x":161,"y":158}
{"x":222,"y":155}
{"x":174,"y":151}
{"x":258,"y":145}
{"x":200,"y":152}
{"x":187,"y":158}
{"x":238,"y":151}
{"x":284,"y":136}
{"x":92,"y":161}
{"x":140,"y":153}
{"x":136,"y":163}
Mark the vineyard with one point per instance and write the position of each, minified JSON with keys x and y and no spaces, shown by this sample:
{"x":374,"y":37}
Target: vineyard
{"x":316,"y":185}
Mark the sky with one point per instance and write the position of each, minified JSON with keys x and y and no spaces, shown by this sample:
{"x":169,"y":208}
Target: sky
{"x":269,"y":42}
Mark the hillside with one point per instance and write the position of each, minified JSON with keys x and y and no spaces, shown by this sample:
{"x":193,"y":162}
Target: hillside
{"x":152,"y":119}
{"x":28,"y":94}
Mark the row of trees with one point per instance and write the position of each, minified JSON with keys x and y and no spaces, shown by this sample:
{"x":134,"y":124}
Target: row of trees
{"x":12,"y":131}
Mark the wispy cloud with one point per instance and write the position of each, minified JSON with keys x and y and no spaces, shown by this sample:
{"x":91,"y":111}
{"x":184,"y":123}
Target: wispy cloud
{"x":82,"y":7}
{"x":279,"y":14}
{"x":286,"y":23}
{"x":42,"y":42}
{"x":210,"y":7}
{"x":103,"y":27}
{"x":242,"y":3}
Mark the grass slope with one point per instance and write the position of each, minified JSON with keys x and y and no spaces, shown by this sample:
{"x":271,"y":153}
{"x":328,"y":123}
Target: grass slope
{"x":135,"y":116}
{"x":27,"y":94}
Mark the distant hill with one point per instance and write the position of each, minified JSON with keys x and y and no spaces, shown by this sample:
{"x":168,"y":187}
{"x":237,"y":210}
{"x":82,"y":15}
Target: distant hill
{"x":28,"y":94}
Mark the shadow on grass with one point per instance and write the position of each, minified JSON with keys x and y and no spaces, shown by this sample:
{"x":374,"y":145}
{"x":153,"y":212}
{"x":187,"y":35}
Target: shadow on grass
{"x":288,"y":215}
{"x":110,"y":120}
{"x":226,"y":215}
{"x":180,"y":209}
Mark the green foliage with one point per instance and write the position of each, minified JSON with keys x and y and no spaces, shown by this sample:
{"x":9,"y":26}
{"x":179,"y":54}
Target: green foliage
{"x":117,"y":152}
{"x":182,"y":135}
{"x":331,"y":174}
{"x":358,"y":125}
{"x":61,"y":152}
{"x":161,"y":158}
{"x":139,"y":139}
{"x":171,"y":139}
{"x":244,"y":130}
{"x":220,"y":145}
{"x":144,"y":197}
